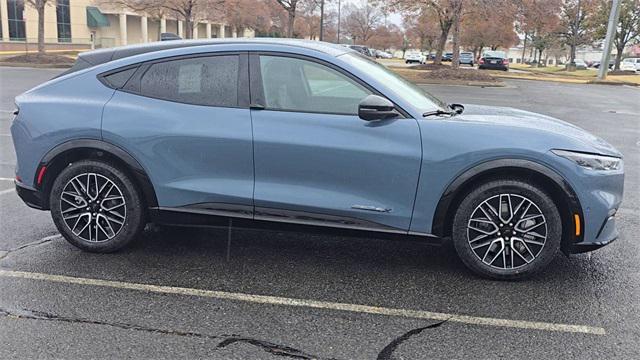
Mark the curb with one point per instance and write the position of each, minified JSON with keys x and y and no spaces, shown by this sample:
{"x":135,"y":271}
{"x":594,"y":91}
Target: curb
{"x":608,"y":82}
{"x":463,"y":83}
{"x":37,"y":66}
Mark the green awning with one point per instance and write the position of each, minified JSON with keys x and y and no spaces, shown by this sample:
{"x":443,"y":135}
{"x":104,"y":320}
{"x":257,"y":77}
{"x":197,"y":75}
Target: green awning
{"x":95,"y":18}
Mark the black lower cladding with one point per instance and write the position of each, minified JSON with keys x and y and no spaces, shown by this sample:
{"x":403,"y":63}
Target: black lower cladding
{"x":30,"y":196}
{"x":221,"y":215}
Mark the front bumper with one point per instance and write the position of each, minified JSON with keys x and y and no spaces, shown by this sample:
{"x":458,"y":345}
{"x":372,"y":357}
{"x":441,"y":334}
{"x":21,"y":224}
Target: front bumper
{"x":600,"y":194}
{"x":608,"y":233}
{"x":32,"y":197}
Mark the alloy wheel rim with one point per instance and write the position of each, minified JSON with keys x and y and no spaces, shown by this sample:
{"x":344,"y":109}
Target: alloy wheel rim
{"x":507,"y":231}
{"x":93,"y":207}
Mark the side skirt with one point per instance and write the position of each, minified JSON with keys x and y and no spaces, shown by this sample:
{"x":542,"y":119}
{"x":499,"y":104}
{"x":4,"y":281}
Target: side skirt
{"x":199,"y":218}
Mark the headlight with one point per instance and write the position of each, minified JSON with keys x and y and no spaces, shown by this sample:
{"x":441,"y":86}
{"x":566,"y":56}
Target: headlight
{"x":591,"y":161}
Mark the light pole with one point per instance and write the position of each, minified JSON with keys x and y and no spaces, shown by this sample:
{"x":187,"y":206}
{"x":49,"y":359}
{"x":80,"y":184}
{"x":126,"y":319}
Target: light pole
{"x":339,"y":21}
{"x":321,"y":19}
{"x":608,"y":41}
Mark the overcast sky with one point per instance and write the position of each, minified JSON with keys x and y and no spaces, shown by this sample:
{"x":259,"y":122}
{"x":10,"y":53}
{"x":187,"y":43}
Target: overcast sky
{"x":394,"y":18}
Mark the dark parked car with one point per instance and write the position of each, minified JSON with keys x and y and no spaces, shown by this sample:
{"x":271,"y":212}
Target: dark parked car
{"x":466,"y":58}
{"x":362,"y":50}
{"x":596,"y":65}
{"x":305,"y":135}
{"x":447,"y":56}
{"x":494,"y":60}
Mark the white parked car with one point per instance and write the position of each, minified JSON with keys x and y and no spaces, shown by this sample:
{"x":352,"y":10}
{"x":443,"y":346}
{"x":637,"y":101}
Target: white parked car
{"x":630,"y":64}
{"x":414,"y":57}
{"x":580,"y":64}
{"x":383,"y":54}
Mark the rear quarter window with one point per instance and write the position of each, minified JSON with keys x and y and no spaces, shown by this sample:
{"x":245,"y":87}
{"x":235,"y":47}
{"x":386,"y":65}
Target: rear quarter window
{"x":210,"y":81}
{"x":118,"y":79}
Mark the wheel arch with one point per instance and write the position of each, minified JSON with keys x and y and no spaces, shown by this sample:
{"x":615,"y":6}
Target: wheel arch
{"x":59,"y":157}
{"x":551,"y":181}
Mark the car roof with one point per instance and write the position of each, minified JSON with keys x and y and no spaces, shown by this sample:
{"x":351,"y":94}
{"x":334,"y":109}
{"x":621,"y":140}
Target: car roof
{"x":105,"y":55}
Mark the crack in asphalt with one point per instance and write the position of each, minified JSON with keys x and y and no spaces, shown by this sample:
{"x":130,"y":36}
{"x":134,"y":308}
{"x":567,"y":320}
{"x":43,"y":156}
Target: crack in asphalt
{"x":387,"y":352}
{"x":5,"y":253}
{"x":272,"y":348}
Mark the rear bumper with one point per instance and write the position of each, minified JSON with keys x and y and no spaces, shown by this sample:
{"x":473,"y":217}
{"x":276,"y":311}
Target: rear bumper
{"x":493,"y":66}
{"x":30,"y":196}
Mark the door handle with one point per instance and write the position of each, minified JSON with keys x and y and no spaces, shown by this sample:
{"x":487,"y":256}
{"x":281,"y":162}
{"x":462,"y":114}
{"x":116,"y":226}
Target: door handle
{"x":256,"y":106}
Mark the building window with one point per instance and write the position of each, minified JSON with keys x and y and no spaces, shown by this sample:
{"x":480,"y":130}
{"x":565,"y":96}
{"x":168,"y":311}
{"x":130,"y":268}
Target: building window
{"x":15,"y":10}
{"x":64,"y":21}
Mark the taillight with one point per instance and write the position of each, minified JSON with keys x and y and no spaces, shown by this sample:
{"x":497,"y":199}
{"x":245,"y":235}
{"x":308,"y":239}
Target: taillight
{"x":481,"y":61}
{"x":505,"y":61}
{"x":41,"y":175}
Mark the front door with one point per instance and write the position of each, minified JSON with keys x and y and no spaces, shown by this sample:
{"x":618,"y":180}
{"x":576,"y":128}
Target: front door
{"x":316,"y":161}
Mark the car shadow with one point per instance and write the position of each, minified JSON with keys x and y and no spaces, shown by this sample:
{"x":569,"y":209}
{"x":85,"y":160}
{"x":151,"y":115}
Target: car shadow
{"x":406,"y":274}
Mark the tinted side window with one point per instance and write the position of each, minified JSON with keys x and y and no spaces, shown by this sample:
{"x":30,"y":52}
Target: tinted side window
{"x":119,"y":79}
{"x":211,"y":80}
{"x":301,"y":85}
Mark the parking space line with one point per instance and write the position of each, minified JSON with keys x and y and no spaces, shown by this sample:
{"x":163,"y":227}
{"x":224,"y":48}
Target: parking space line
{"x":7,"y":191}
{"x":304,"y":303}
{"x":6,"y":179}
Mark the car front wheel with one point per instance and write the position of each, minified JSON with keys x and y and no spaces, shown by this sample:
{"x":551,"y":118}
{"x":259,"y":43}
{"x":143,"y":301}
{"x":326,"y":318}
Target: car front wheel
{"x":96,"y":207}
{"x":507,"y":229}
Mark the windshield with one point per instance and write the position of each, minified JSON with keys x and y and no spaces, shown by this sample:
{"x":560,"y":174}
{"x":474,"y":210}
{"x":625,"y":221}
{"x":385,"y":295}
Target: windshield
{"x":409,"y":92}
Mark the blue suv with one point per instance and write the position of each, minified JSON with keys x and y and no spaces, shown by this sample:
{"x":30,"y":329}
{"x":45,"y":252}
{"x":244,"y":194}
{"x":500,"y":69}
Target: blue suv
{"x":305,"y":135}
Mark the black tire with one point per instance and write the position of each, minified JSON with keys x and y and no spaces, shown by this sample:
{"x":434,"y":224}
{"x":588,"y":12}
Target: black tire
{"x":134,"y":215}
{"x":520,"y":268}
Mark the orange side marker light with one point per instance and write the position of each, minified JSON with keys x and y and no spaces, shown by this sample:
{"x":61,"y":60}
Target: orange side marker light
{"x":576,"y":220}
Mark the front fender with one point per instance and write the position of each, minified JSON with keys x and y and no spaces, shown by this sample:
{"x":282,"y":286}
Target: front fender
{"x":540,"y":173}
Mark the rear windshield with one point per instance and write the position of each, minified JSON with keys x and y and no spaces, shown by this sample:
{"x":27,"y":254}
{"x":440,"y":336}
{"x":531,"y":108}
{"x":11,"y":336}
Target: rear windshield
{"x":498,"y":54}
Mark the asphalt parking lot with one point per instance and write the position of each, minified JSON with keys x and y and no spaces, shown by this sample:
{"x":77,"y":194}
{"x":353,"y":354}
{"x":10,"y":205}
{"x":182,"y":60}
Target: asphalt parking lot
{"x":173,"y":293}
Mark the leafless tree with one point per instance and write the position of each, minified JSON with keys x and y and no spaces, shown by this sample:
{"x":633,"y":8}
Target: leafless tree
{"x":290,"y":7}
{"x":362,"y":20}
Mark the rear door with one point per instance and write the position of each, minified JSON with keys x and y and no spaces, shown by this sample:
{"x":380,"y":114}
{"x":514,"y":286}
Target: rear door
{"x":187,"y":121}
{"x":316,"y":161}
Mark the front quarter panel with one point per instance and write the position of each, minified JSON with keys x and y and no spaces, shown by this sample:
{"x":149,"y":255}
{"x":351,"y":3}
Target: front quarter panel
{"x":452,"y":147}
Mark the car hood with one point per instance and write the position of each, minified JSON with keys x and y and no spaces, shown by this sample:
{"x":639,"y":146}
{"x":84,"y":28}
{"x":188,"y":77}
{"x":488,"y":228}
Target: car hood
{"x":506,"y":116}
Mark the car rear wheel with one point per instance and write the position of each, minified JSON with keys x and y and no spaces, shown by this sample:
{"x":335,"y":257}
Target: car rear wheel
{"x":507,"y":229}
{"x":96,"y":207}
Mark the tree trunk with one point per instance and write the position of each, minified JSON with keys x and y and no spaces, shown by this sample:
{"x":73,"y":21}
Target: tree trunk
{"x":444,"y":33}
{"x":524,"y":47}
{"x":619,"y":51}
{"x":188,"y":28}
{"x":539,"y":57}
{"x":455,"y":58}
{"x":571,"y":66}
{"x":292,"y":19}
{"x":41,"y":29}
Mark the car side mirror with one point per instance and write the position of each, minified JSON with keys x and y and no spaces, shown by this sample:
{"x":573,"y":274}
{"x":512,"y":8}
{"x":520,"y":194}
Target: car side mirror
{"x":375,"y":107}
{"x":458,"y":108}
